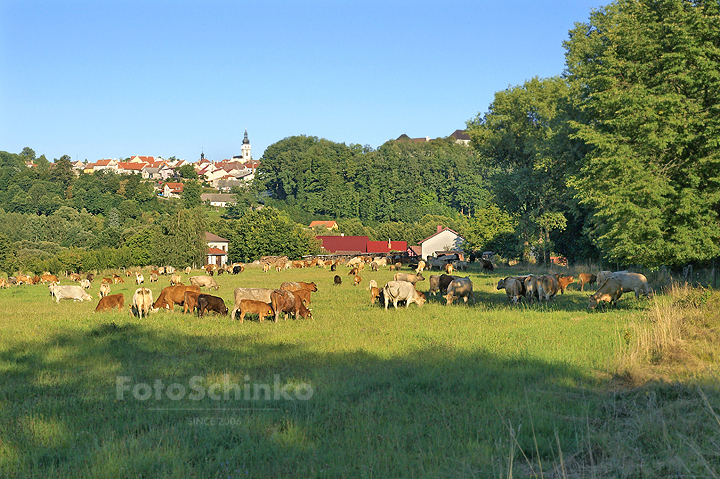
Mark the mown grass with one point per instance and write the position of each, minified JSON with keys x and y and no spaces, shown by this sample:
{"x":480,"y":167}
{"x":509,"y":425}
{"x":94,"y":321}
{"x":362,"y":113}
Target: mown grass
{"x":485,"y":390}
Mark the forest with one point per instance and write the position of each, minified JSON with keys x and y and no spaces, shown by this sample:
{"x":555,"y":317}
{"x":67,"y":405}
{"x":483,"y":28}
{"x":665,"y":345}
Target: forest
{"x":615,"y":159}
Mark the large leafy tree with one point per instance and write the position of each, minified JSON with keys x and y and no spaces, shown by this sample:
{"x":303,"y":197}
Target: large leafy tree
{"x":524,"y":141}
{"x":646,"y":74}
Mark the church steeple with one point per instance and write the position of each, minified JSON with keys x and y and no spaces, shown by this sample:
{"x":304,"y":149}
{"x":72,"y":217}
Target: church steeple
{"x":246,"y":151}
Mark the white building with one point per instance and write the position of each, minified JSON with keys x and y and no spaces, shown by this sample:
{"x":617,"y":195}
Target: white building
{"x":445,"y":240}
{"x":217,"y":249}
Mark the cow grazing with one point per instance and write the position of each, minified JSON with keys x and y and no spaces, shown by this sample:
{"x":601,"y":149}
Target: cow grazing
{"x":75,"y":277}
{"x":204,"y":281}
{"x":153,"y":277}
{"x":548,"y":287}
{"x":633,"y":282}
{"x":586,"y":278}
{"x":333,"y":267}
{"x":117,"y":279}
{"x":396,"y":291}
{"x":171,"y":296}
{"x":353,"y":271}
{"x":514,"y":288}
{"x":176,"y":279}
{"x":283,"y":301}
{"x":410,"y":278}
{"x":448,"y":268}
{"x":460,"y":288}
{"x":337,"y":280}
{"x":142,"y":302}
{"x":169,"y":270}
{"x":90,"y":277}
{"x":128,"y":273}
{"x":49,"y":278}
{"x":420,"y":267}
{"x":255,"y":307}
{"x":487,"y":265}
{"x":139,"y":278}
{"x":608,"y":292}
{"x":208,"y":302}
{"x":107,"y":281}
{"x":3,"y":283}
{"x":374,"y":266}
{"x":256,"y":294}
{"x":356,"y":280}
{"x":460,"y":265}
{"x":374,"y":294}
{"x":107,"y":303}
{"x":104,"y":290}
{"x":84,"y":284}
{"x":398,"y":265}
{"x":75,"y":293}
{"x":372,"y":284}
{"x":190,"y":301}
{"x":296,"y":285}
{"x":237,"y":269}
{"x":564,"y":281}
{"x":532,"y":288}
{"x":188,"y":270}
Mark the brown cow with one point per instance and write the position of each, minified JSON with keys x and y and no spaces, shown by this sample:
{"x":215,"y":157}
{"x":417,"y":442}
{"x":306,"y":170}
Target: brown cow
{"x":356,"y":280}
{"x":49,"y":278}
{"x":586,"y":278}
{"x":107,"y":303}
{"x":610,"y":291}
{"x":117,"y":279}
{"x":190,"y":301}
{"x":254,"y":307}
{"x":286,"y":302}
{"x":337,"y":280}
{"x":374,"y":294}
{"x":208,"y":302}
{"x":564,"y":281}
{"x":297,"y":285}
{"x":171,"y":296}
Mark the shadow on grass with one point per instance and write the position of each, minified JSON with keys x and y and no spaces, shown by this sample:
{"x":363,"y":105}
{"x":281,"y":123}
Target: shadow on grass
{"x":123,"y":400}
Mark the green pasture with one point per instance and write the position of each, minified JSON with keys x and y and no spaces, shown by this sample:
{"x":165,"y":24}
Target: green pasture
{"x":483,"y":390}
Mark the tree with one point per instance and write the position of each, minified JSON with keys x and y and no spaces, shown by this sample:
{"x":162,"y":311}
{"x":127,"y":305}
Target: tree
{"x":181,"y":239}
{"x":191,"y":194}
{"x":525,"y":143}
{"x":7,"y":255}
{"x":645,"y":75}
{"x":62,"y":173}
{"x":188,"y":171}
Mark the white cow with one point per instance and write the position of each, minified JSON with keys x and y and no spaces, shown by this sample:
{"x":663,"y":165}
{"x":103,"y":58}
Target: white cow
{"x":76,"y":293}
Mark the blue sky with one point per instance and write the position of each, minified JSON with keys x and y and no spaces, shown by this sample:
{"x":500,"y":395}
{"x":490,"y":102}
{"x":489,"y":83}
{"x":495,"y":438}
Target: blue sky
{"x":114,"y":78}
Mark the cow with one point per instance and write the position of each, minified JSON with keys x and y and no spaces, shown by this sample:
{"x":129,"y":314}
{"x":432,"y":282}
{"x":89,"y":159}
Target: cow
{"x":548,"y":287}
{"x":586,"y":278}
{"x":356,"y":280}
{"x":176,"y":279}
{"x":337,"y":280}
{"x":75,"y":277}
{"x":90,"y":277}
{"x":353,"y":271}
{"x":188,"y":270}
{"x":117,"y":279}
{"x":142,"y":302}
{"x":601,"y":277}
{"x":255,"y":307}
{"x":442,"y":283}
{"x":633,"y":282}
{"x":487,"y":265}
{"x":104,"y":290}
{"x":608,"y":292}
{"x":153,"y":277}
{"x":283,"y":301}
{"x":398,"y":265}
{"x":172,"y":295}
{"x":49,"y":278}
{"x":85,"y":284}
{"x":420,"y":267}
{"x":372,"y":284}
{"x":460,"y":288}
{"x":374,"y":294}
{"x":23,"y":279}
{"x":257,"y":294}
{"x":514,"y":288}
{"x":333,"y":267}
{"x":107,"y":303}
{"x":204,"y":281}
{"x":238,"y":269}
{"x":395,"y":291}
{"x":564,"y":281}
{"x":208,"y":302}
{"x":296,"y":285}
{"x":531,"y":288}
{"x":75,"y":293}
{"x":190,"y":301}
{"x":460,"y":265}
{"x":169,"y":270}
{"x":448,"y":268}
{"x":139,"y":278}
{"x":128,"y":273}
{"x":410,"y":278}
{"x":107,"y":281}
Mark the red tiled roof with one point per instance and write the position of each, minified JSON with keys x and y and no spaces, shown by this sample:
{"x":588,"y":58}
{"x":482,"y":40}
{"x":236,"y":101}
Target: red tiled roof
{"x":216,"y":251}
{"x":214,"y":238}
{"x":355,"y":244}
{"x":382,"y":246}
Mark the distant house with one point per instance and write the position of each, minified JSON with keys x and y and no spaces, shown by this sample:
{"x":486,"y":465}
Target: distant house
{"x":218,"y":199}
{"x":131,"y":168}
{"x":461,"y":136}
{"x":172,"y":190}
{"x":443,"y":241}
{"x":330,"y":225}
{"x":404,"y":137}
{"x":217,"y":249}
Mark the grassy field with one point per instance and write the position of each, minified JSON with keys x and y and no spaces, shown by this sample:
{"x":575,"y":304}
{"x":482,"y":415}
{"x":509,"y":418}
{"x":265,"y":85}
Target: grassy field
{"x":484,"y":390}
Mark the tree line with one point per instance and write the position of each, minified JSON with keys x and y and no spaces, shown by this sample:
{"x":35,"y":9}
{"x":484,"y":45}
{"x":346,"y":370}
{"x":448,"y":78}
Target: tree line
{"x":615,"y":159}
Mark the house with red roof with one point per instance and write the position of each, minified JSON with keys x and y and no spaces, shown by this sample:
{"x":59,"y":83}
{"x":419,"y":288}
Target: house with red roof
{"x":172,"y":190}
{"x":330,"y":225}
{"x":217,"y":249}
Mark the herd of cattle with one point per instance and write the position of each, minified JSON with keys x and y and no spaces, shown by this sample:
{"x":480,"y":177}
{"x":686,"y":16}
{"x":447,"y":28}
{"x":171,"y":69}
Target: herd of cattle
{"x":294,"y":297}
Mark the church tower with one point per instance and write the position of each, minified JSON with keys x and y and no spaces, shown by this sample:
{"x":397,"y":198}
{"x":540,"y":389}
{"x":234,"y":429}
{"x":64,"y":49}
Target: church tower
{"x":246,"y":148}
